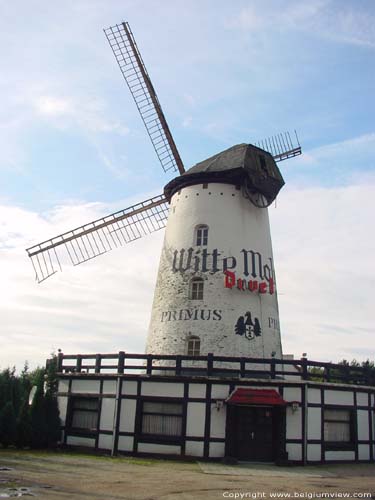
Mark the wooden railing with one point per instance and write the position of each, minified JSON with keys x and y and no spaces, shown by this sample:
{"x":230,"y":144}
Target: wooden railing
{"x":210,"y":365}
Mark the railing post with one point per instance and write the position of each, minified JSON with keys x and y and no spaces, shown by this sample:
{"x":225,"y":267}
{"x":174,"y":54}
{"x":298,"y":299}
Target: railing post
{"x":121,"y":362}
{"x":178,"y":364}
{"x":60,"y":358}
{"x":243,"y":367}
{"x":210,"y":363}
{"x":273,"y":368}
{"x":79,"y":363}
{"x":305,"y":374}
{"x":98,"y":362}
{"x":149,"y":364}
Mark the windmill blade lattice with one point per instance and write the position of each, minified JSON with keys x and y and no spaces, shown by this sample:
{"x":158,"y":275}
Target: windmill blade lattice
{"x":125,"y":50}
{"x":281,"y":146}
{"x":100,"y":236}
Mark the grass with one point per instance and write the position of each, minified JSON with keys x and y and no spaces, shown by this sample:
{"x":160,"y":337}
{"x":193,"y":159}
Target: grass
{"x":14,"y":454}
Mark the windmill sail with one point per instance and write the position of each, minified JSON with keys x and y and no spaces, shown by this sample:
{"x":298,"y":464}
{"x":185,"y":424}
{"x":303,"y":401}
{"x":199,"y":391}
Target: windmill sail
{"x":100,"y":236}
{"x":125,"y":50}
{"x":281,"y":146}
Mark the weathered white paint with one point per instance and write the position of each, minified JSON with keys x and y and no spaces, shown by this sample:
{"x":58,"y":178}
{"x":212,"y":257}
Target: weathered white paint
{"x":129,"y":387}
{"x":62,"y":402}
{"x":294,"y":451}
{"x":216,"y":450}
{"x":107,"y":414}
{"x":314,"y":423}
{"x":167,"y":449}
{"x":125,"y":443}
{"x":105,"y":442}
{"x":219,"y":391}
{"x":80,"y":441}
{"x":292,"y":394}
{"x":338,"y":397}
{"x":314,"y":452}
{"x":194,"y":449}
{"x":171,"y":389}
{"x":63,"y":385}
{"x":339,"y":455}
{"x":86,"y":386}
{"x":234,"y":225}
{"x":196,"y":413}
{"x":362,"y":399}
{"x":313,"y":395}
{"x":363,"y":425}
{"x":197,"y":391}
{"x":363,"y":452}
{"x":109,"y":386}
{"x":218,"y":419}
{"x":293,"y":423}
{"x":127,"y":415}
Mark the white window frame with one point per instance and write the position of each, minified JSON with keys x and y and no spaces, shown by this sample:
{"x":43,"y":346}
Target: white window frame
{"x":193,"y":345}
{"x":196,"y":291}
{"x":201,"y":235}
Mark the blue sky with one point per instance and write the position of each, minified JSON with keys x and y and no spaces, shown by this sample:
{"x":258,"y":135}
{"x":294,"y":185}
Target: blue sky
{"x":74,"y":148}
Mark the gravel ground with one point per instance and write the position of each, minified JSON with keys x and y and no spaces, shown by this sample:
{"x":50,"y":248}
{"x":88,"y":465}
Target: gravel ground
{"x":72,"y":476}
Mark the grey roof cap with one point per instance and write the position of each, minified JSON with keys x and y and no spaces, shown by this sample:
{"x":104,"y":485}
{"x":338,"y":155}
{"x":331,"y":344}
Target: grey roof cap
{"x":241,"y":164}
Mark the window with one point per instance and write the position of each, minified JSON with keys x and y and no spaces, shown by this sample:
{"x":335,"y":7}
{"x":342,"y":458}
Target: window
{"x":84,"y":413}
{"x":196,"y":289}
{"x":193,"y":346}
{"x":161,"y":418}
{"x":338,"y":428}
{"x":201,"y":235}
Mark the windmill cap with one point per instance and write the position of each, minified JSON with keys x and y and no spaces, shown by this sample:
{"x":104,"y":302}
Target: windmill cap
{"x":243,"y":164}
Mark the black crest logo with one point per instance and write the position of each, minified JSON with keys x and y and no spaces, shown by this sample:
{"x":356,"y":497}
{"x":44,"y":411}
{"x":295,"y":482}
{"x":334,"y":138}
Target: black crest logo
{"x":245,"y":326}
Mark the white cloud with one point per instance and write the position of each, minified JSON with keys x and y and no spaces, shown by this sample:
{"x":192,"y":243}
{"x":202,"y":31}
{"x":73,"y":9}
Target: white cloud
{"x":87,"y":114}
{"x":324,"y":248}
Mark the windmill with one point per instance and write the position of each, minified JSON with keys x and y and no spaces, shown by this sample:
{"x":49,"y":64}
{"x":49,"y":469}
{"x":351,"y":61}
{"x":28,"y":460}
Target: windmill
{"x":247,"y":173}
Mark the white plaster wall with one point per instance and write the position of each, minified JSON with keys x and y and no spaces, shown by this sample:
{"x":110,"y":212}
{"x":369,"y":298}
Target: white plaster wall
{"x":363,"y":425}
{"x":80,"y":441}
{"x":234,"y":224}
{"x":197,"y":391}
{"x":86,"y":386}
{"x":314,"y":419}
{"x":363,"y":452}
{"x":62,"y":402}
{"x":160,"y":389}
{"x":127,"y":415}
{"x":339,"y":455}
{"x":129,"y":387}
{"x":362,"y":399}
{"x":314,"y":452}
{"x":109,"y":386}
{"x":196,"y":413}
{"x":194,"y":449}
{"x":293,"y":423}
{"x":292,"y":394}
{"x":107,"y":414}
{"x":313,"y":395}
{"x":294,"y":451}
{"x":338,"y":397}
{"x":125,"y":443}
{"x":105,"y":442}
{"x":217,"y":450}
{"x":159,"y":448}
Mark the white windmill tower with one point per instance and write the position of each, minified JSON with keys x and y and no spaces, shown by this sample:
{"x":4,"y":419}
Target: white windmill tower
{"x":216,"y":289}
